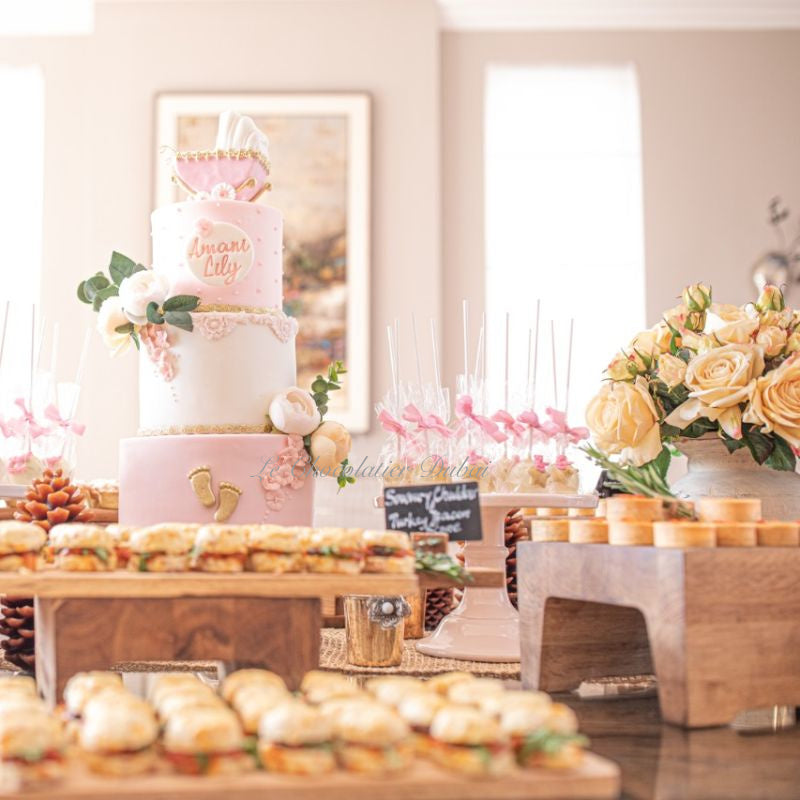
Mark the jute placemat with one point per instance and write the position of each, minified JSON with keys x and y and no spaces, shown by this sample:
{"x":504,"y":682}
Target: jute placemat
{"x":333,"y":657}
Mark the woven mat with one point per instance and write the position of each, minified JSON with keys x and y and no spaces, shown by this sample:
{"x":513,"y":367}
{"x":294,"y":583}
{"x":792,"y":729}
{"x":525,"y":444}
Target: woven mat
{"x":333,"y":657}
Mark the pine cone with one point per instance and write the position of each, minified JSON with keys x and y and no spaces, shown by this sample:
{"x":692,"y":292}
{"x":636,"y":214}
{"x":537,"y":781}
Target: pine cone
{"x":52,"y":500}
{"x":515,"y":531}
{"x":438,"y":604}
{"x":16,"y":625}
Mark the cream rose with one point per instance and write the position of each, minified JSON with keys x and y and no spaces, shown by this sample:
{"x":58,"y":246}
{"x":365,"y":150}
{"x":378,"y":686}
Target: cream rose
{"x":728,"y":312}
{"x":697,"y":297}
{"x":738,"y":332}
{"x":772,"y":340}
{"x":699,"y":342}
{"x":671,"y":370}
{"x":718,"y":382}
{"x":783,"y":319}
{"x":622,"y":368}
{"x":109,"y":318}
{"x":137,"y":291}
{"x":330,"y":445}
{"x":776,"y":402}
{"x":770,"y":299}
{"x":793,"y":342}
{"x":643,"y":349}
{"x":294,"y":411}
{"x":623,"y":419}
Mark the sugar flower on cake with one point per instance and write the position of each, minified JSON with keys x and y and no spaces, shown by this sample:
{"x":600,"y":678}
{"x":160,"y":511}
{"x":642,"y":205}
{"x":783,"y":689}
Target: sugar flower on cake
{"x":294,"y":411}
{"x":110,"y":319}
{"x":330,"y":446}
{"x":725,"y":371}
{"x":139,"y":290}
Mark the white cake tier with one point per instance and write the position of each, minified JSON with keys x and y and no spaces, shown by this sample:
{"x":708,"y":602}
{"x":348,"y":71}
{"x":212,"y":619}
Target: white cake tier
{"x":219,"y":378}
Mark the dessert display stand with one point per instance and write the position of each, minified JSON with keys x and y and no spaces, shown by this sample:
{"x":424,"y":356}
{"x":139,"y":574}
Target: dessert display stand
{"x":88,"y":621}
{"x":485,"y":626}
{"x":596,"y":778}
{"x":718,"y":626}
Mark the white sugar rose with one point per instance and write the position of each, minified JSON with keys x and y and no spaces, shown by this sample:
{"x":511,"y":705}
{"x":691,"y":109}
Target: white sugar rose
{"x":623,"y":419}
{"x":772,"y":339}
{"x":294,"y":411}
{"x":776,"y":402}
{"x":719,"y":381}
{"x":109,"y":318}
{"x":137,"y":291}
{"x":330,"y":445}
{"x":671,"y":370}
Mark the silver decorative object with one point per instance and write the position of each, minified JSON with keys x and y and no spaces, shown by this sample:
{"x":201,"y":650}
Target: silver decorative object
{"x":779,"y":266}
{"x":388,"y":612}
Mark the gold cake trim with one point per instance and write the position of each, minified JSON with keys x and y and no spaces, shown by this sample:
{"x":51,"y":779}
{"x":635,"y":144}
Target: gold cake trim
{"x":177,"y":430}
{"x":206,"y":307}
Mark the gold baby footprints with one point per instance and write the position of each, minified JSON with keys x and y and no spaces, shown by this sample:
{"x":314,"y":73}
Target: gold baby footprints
{"x":229,"y":494}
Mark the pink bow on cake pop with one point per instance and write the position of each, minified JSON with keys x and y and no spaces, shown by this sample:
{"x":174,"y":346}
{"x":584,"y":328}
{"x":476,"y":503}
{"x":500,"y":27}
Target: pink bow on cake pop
{"x":514,"y":429}
{"x":28,"y":421}
{"x":557,"y":426}
{"x":51,"y":412}
{"x":531,"y":420}
{"x":391,"y":424}
{"x":464,"y":410}
{"x":426,"y":422}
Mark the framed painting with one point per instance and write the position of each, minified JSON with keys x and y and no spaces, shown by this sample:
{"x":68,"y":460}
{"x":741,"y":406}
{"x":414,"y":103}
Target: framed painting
{"x":320,"y":157}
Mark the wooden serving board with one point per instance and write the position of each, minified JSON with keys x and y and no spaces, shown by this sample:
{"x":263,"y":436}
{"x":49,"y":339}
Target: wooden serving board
{"x":49,"y":583}
{"x":596,"y":778}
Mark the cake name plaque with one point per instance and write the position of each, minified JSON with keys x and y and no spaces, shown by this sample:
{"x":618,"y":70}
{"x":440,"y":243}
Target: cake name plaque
{"x":219,"y":253}
{"x":451,"y":508}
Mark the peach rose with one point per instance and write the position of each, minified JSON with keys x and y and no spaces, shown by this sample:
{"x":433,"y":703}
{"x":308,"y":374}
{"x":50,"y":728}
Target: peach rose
{"x":624,"y":420}
{"x":294,"y":411}
{"x":770,"y":299}
{"x":718,"y":382}
{"x":772,"y":340}
{"x":775,"y":405}
{"x":699,"y":342}
{"x":738,"y":332}
{"x":671,"y":370}
{"x":793,"y":342}
{"x":697,"y":297}
{"x":330,"y":445}
{"x":622,"y":368}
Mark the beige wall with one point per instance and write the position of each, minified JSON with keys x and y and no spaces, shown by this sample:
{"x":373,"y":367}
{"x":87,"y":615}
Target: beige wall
{"x":720,"y":123}
{"x":100,"y":147}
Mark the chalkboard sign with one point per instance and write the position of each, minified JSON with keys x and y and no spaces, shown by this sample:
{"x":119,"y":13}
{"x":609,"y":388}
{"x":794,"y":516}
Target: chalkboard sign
{"x":451,"y":508}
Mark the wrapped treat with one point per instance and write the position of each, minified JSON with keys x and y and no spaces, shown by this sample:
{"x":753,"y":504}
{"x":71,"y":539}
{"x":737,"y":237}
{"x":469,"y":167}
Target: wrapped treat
{"x":562,"y":477}
{"x":528,"y":475}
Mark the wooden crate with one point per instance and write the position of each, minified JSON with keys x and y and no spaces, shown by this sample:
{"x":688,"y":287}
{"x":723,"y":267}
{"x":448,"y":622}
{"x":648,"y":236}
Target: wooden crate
{"x":718,"y":626}
{"x":596,"y":778}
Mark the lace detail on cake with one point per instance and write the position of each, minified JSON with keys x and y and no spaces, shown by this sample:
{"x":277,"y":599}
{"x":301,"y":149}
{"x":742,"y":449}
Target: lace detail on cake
{"x":215,"y":325}
{"x":288,"y":473}
{"x":157,"y":346}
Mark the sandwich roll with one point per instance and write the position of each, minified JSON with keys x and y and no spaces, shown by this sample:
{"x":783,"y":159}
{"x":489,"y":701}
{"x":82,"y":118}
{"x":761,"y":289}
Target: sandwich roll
{"x":159,"y":548}
{"x":473,"y":693}
{"x":250,"y":677}
{"x":391,"y":689}
{"x":20,"y":545}
{"x":684,"y":534}
{"x":220,"y":548}
{"x":274,"y":548}
{"x":778,"y":534}
{"x":296,"y":739}
{"x":82,"y":686}
{"x":544,"y":740}
{"x":252,"y":702}
{"x":334,"y":550}
{"x":372,"y":739}
{"x":83,"y":548}
{"x":728,"y":509}
{"x":441,"y":683}
{"x":31,"y":746}
{"x":388,"y":551}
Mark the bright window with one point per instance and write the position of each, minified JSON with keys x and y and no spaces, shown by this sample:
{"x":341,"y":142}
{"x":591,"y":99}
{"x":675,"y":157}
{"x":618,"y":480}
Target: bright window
{"x":564,"y":220}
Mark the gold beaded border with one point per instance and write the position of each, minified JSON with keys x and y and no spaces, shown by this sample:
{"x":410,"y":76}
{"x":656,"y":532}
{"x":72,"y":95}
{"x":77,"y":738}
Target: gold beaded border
{"x":177,"y":430}
{"x":204,"y":307}
{"x":207,"y":155}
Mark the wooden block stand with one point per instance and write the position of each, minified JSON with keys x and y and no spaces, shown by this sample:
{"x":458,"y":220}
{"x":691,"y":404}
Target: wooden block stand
{"x":720,"y":627}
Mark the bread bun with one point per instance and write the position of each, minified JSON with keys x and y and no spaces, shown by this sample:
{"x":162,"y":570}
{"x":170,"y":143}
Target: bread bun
{"x":18,"y":683}
{"x":249,"y":677}
{"x":220,"y":548}
{"x":495,"y":705}
{"x":83,"y":548}
{"x":370,"y":724}
{"x":252,"y":702}
{"x":295,"y":723}
{"x":181,"y":698}
{"x":391,"y":689}
{"x":472,"y":693}
{"x":20,"y":537}
{"x":159,"y":539}
{"x":467,"y":741}
{"x":441,"y":683}
{"x":75,"y":535}
{"x":165,"y":682}
{"x":84,"y":685}
{"x":419,"y":708}
{"x":34,"y":732}
{"x":274,"y":539}
{"x":334,"y":550}
{"x":114,"y":727}
{"x":465,"y":726}
{"x":203,"y":730}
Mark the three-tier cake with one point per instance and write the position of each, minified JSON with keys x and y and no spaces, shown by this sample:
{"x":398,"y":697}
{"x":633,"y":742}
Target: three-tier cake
{"x":202,"y":453}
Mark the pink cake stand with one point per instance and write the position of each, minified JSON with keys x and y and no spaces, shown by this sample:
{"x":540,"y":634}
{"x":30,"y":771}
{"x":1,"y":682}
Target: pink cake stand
{"x":485,"y":626}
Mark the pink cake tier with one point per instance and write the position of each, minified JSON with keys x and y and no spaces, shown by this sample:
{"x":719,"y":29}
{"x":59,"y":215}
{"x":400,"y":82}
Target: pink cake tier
{"x":156,"y":487}
{"x":227,"y":252}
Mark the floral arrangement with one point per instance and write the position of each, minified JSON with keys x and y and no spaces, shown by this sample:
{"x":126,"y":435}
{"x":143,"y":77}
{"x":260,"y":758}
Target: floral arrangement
{"x":301,"y":415}
{"x":133,"y":304}
{"x":706,"y":369}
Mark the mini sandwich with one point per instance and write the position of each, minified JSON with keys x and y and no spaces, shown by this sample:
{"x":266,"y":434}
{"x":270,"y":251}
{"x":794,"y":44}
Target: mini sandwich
{"x":274,"y":548}
{"x":116,"y":737}
{"x":334,"y":550}
{"x":167,"y":682}
{"x":178,"y":699}
{"x":20,"y":545}
{"x":373,"y":739}
{"x":496,"y":704}
{"x":544,"y":739}
{"x":418,"y":710}
{"x":121,"y":535}
{"x":251,"y":703}
{"x":245,"y":678}
{"x":206,"y":741}
{"x":18,"y":684}
{"x":297,"y":739}
{"x":31,"y":745}
{"x":219,"y":548}
{"x":391,"y":689}
{"x":83,"y":548}
{"x":84,"y":685}
{"x":467,"y":741}
{"x":441,"y":683}
{"x":388,"y":551}
{"x":320,"y":687}
{"x":473,"y":693}
{"x":160,"y":548}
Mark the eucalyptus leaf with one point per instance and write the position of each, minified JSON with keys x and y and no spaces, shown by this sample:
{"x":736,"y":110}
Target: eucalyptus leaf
{"x":121,"y":267}
{"x":135,"y":337}
{"x":180,"y":319}
{"x":181,"y":302}
{"x":154,"y":315}
{"x":320,"y":385}
{"x":127,"y":328}
{"x":82,"y":293}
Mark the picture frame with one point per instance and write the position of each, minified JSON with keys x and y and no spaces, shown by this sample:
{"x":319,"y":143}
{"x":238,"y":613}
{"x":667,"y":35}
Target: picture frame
{"x":320,"y":154}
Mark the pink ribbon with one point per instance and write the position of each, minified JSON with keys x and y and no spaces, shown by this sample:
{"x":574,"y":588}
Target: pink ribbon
{"x":17,"y":464}
{"x":51,"y":412}
{"x":558,"y":427}
{"x":34,"y":430}
{"x":391,"y":424}
{"x":513,"y":427}
{"x":426,"y":422}
{"x":464,"y":410}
